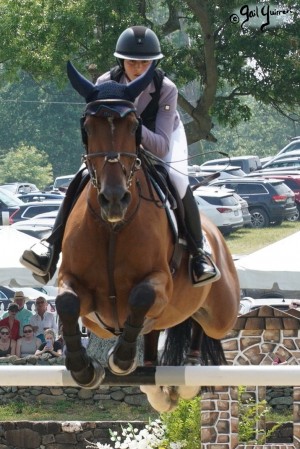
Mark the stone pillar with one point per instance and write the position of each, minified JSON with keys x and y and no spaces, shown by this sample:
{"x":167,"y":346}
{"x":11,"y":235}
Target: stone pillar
{"x":219,"y":419}
{"x":296,"y":397}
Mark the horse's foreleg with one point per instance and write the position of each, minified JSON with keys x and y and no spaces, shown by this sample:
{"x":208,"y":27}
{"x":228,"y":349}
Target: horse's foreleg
{"x":85,"y":371}
{"x":122,"y":358}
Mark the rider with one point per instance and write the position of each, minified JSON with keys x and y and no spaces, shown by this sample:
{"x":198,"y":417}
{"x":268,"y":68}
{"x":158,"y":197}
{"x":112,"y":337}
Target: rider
{"x":162,"y":134}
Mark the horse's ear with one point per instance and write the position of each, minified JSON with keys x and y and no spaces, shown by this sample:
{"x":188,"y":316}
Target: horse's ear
{"x":135,"y":87}
{"x":83,"y":86}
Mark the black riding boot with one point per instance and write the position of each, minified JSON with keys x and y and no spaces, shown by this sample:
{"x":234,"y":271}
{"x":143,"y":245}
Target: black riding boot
{"x":202,"y":269}
{"x":42,"y":257}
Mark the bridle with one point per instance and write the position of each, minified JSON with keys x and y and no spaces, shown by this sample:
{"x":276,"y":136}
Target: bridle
{"x":110,"y":109}
{"x":112,"y":158}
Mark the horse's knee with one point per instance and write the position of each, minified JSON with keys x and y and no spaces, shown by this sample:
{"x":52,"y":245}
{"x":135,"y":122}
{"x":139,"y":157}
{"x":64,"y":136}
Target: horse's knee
{"x":142,"y":297}
{"x":68,"y":306}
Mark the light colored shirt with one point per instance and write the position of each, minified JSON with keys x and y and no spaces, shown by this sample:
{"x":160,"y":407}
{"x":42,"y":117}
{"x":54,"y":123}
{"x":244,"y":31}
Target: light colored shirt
{"x":29,"y":347}
{"x":48,"y":322}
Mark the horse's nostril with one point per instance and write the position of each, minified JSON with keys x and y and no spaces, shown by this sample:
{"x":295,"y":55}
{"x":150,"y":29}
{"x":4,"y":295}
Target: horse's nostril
{"x":126,"y":199}
{"x":103,"y":201}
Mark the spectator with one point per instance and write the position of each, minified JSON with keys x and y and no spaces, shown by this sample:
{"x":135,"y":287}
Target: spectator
{"x":28,"y":344}
{"x":23,"y":314}
{"x":11,"y":322}
{"x":42,"y":319}
{"x":51,"y":346}
{"x":7,"y":345}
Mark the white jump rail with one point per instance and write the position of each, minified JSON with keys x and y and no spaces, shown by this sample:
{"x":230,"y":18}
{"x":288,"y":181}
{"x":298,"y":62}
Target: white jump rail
{"x":205,"y":376}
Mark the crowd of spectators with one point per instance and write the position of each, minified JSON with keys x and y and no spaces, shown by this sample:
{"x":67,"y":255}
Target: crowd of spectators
{"x":27,"y":334}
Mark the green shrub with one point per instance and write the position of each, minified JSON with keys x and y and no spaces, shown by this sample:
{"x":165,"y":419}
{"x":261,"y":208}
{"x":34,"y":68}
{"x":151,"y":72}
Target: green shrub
{"x":250,"y":413}
{"x":183,"y":424}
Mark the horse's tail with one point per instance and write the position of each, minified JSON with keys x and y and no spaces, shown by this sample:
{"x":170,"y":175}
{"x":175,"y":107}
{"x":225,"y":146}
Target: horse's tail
{"x":178,"y":344}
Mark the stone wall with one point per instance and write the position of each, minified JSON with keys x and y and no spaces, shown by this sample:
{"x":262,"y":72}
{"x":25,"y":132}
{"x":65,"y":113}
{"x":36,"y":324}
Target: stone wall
{"x":57,"y":435}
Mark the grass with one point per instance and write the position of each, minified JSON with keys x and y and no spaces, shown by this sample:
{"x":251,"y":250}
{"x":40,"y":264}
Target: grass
{"x":247,"y":240}
{"x":62,"y":410}
{"x":281,"y":417}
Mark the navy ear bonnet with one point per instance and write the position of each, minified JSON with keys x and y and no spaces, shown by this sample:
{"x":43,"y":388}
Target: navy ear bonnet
{"x":109,"y":89}
{"x":109,"y":99}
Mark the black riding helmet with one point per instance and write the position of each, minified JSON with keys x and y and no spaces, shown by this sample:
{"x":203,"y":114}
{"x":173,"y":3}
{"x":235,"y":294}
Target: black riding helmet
{"x":138,"y":43}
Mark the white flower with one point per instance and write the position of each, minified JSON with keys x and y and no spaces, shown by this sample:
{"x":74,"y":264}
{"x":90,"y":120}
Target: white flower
{"x":100,"y":446}
{"x":152,"y":436}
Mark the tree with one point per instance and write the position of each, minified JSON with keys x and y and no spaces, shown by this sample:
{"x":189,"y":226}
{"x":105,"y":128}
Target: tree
{"x":26,"y":164}
{"x":40,"y":115}
{"x":228,"y":60}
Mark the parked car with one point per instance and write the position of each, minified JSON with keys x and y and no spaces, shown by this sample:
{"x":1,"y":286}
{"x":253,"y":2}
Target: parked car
{"x":40,"y":196}
{"x":221,"y":207}
{"x":8,"y":204}
{"x":40,"y":226}
{"x":245,"y":209}
{"x":197,"y":174}
{"x":293,"y":182}
{"x":28,"y":210}
{"x":247,"y":163}
{"x":283,"y":163}
{"x":270,"y":201}
{"x":248,"y":304}
{"x":293,"y":145}
{"x":19,"y":187}
{"x":61,"y":183}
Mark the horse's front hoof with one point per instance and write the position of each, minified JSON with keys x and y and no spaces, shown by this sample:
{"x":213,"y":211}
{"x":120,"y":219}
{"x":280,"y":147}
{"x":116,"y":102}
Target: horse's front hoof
{"x":122,"y":368}
{"x":90,"y":377}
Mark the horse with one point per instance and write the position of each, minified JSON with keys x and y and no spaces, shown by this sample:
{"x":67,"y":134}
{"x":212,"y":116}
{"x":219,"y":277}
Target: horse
{"x":115,"y":272}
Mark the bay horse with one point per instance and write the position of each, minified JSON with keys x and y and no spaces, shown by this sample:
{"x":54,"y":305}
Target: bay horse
{"x":117,"y":247}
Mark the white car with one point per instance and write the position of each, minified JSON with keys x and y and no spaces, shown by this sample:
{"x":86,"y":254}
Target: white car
{"x":40,"y":226}
{"x":61,"y":183}
{"x":220,"y":205}
{"x":199,"y":173}
{"x":248,"y":304}
{"x":279,"y":158}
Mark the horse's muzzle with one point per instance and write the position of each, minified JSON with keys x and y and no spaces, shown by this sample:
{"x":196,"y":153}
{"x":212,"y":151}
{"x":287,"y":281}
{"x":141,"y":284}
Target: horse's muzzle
{"x":114,"y":204}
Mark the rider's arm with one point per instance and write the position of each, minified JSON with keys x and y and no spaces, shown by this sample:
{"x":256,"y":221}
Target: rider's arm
{"x":167,"y":120}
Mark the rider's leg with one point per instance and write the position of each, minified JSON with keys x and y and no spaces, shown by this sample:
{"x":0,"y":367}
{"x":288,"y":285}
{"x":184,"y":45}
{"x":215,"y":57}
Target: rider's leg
{"x":201,"y":267}
{"x":42,"y":258}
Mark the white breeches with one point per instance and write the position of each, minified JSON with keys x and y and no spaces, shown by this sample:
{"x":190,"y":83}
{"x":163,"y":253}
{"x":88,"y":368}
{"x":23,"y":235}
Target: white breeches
{"x":177,"y":160}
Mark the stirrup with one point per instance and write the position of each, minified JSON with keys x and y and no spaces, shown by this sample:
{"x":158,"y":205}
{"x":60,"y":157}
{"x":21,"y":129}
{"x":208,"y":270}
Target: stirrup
{"x":38,"y":258}
{"x":206,"y":278}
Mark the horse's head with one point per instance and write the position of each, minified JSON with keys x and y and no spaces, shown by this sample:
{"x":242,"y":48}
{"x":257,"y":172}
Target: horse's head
{"x":111,"y":133}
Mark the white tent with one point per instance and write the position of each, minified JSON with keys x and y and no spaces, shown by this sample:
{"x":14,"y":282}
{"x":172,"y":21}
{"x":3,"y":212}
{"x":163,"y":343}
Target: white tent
{"x":12,"y":245}
{"x":276,"y":265}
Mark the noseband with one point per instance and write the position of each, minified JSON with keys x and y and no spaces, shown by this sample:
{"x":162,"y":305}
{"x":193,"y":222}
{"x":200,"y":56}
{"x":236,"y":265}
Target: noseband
{"x":110,"y":109}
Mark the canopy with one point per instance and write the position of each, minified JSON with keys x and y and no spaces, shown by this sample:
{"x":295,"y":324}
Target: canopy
{"x":278,"y":263}
{"x":12,"y":272}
